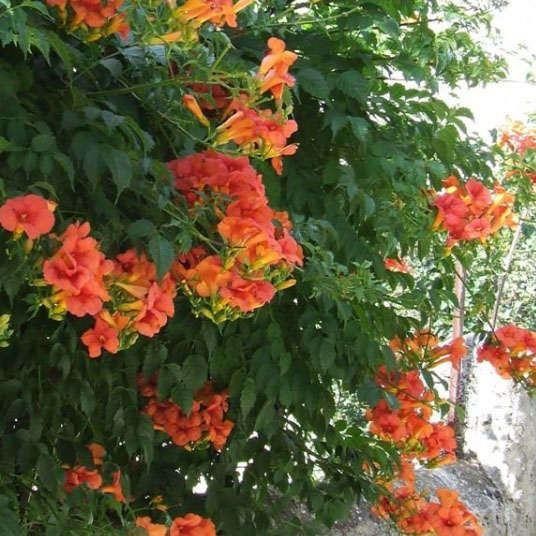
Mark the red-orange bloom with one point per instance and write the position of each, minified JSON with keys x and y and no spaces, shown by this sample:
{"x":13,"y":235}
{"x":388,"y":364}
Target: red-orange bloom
{"x":144,"y":302}
{"x":273,"y":72}
{"x":247,"y":295}
{"x":211,"y":97}
{"x":190,"y":102}
{"x":192,"y":525}
{"x":471,"y":211}
{"x":76,"y":271}
{"x":262,"y":133}
{"x":396,"y":265}
{"x":425,"y":348}
{"x":99,"y":18}
{"x":101,"y":336}
{"x":450,"y":517}
{"x":512,"y":351}
{"x":30,"y":214}
{"x":115,"y":488}
{"x":259,"y":252}
{"x":97,"y":453}
{"x":440,"y":445}
{"x":222,"y":174}
{"x":518,"y":138}
{"x":76,"y":476}
{"x":208,"y":276}
{"x":217,"y":12}
{"x":152,"y":529}
{"x":204,"y":422}
{"x":157,"y":308}
{"x":408,"y":424}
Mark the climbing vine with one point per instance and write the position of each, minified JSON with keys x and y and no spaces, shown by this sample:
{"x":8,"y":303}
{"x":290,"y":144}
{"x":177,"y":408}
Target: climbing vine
{"x":217,"y":218}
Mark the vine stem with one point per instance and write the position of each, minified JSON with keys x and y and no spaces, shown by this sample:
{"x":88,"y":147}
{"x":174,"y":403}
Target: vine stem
{"x":305,"y":22}
{"x":457,"y":331}
{"x":504,"y":276}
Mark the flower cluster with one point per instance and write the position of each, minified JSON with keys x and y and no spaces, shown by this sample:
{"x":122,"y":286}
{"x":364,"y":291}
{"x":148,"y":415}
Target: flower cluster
{"x":512,"y":351}
{"x":80,"y":475}
{"x":123,"y":295}
{"x":423,"y":349}
{"x":188,"y":525}
{"x":409,"y":424}
{"x":471,"y":211}
{"x":205,"y":423}
{"x":415,"y":515}
{"x":139,"y":304}
{"x":182,"y":23}
{"x":518,"y":143}
{"x":519,"y":138}
{"x":258,"y":252}
{"x":76,"y":273}
{"x":260,"y":133}
{"x":97,"y":18}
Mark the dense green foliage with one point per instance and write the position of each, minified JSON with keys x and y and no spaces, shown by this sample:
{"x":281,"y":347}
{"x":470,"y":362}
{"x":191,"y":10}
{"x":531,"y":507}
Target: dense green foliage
{"x":90,"y":125}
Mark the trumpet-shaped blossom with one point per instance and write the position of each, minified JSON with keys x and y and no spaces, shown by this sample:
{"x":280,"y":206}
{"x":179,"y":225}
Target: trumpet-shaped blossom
{"x":152,"y":529}
{"x":76,"y":271}
{"x":260,"y":133}
{"x":217,"y":12}
{"x":80,"y":475}
{"x":30,"y":214}
{"x":192,"y":525}
{"x":101,"y":336}
{"x":273,"y":72}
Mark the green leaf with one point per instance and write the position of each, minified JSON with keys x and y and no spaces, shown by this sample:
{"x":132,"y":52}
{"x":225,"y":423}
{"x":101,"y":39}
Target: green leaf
{"x":87,"y":399}
{"x":155,"y":357}
{"x":49,"y":472}
{"x":326,"y":354}
{"x":43,"y":143}
{"x":359,"y":127}
{"x":248,"y":396}
{"x":4,"y":144}
{"x":114,"y":66}
{"x":183,"y":396}
{"x":112,"y":120}
{"x":336,"y":121}
{"x":145,"y":433}
{"x":194,"y":371}
{"x":66,"y":165}
{"x":285,"y":360}
{"x":210,"y":336}
{"x":313,"y":82}
{"x":353,"y":84}
{"x":140,"y":228}
{"x":265,"y":421}
{"x":10,"y":520}
{"x":161,"y":251}
{"x":168,"y":376}
{"x":119,"y":165}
